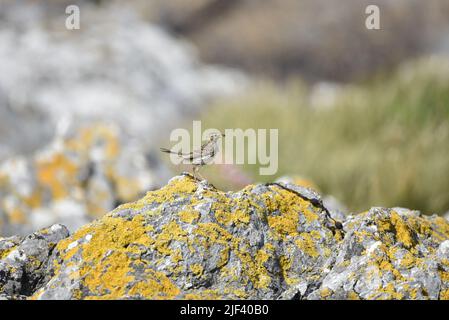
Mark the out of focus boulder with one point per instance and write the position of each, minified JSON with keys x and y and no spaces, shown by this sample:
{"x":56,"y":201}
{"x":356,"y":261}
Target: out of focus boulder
{"x":81,"y":175}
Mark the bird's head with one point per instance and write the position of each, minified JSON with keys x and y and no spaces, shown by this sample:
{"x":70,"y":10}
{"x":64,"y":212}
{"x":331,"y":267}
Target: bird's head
{"x":215,"y":136}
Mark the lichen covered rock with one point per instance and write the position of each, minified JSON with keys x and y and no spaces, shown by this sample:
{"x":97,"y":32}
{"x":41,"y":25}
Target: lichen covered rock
{"x":274,"y":241}
{"x":390,"y":254}
{"x":23,"y":261}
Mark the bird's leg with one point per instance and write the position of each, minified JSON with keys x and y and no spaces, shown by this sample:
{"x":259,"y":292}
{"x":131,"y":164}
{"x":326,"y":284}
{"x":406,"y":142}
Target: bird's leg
{"x":201,"y":177}
{"x":193,"y":172}
{"x":196,"y":173}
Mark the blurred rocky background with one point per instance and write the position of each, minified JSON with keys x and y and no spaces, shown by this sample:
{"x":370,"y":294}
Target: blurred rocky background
{"x":363,"y":114}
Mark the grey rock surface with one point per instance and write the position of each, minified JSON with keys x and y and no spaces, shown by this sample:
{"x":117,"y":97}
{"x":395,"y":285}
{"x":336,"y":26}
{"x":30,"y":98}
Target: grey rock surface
{"x":23,"y":261}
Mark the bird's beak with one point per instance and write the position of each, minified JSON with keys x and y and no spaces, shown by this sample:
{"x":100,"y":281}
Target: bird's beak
{"x":223,"y":135}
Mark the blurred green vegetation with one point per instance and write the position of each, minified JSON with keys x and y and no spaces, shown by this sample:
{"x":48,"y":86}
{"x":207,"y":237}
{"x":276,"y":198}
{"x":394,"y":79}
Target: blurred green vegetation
{"x":381,"y":143}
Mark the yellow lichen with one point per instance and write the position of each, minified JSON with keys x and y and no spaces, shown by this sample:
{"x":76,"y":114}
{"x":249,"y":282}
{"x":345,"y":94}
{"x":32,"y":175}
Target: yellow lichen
{"x":178,"y":187}
{"x":107,"y":268}
{"x":203,"y":295}
{"x":444,"y":276}
{"x":288,"y":207}
{"x":307,"y":244}
{"x":170,"y":232}
{"x":197,"y":269}
{"x":34,"y":200}
{"x":16,"y":216}
{"x":390,"y":292}
{"x":408,"y":261}
{"x":353,"y":296}
{"x":236,"y":217}
{"x":325,"y":293}
{"x":5,"y":252}
{"x":285,"y":224}
{"x":188,"y":216}
{"x":285,"y":264}
{"x":56,"y":173}
{"x":444,"y":294}
{"x":403,"y":232}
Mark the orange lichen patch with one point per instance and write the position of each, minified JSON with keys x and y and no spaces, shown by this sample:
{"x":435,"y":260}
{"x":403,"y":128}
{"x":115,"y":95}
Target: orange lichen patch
{"x":213,"y":233}
{"x":444,"y":276}
{"x":203,"y":295}
{"x":178,"y":187}
{"x":254,"y":270}
{"x":264,"y":254}
{"x":4,"y":179}
{"x":97,"y":134}
{"x":289,"y":206}
{"x":408,"y":261}
{"x":156,"y":286}
{"x":388,"y":292}
{"x":353,"y":296}
{"x":34,"y":200}
{"x":188,"y":216}
{"x":325,"y":293}
{"x":16,"y":216}
{"x":444,"y":294}
{"x":381,"y":259}
{"x":227,"y":217}
{"x":307,"y":245}
{"x":56,"y":173}
{"x":169,"y":233}
{"x":402,"y":230}
{"x":439,"y":228}
{"x":398,"y":236}
{"x":197,"y":269}
{"x":240,"y":294}
{"x":286,"y":264}
{"x":5,"y":252}
{"x":285,"y":224}
{"x":252,"y":267}
{"x":445,"y":262}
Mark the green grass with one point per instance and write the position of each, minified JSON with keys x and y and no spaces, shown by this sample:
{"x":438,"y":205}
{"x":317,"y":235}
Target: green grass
{"x":383,"y":143}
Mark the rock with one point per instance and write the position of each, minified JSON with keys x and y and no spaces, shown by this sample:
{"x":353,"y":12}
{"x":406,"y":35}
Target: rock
{"x":23,"y":261}
{"x":84,"y":173}
{"x":389,"y":254}
{"x":336,"y":209}
{"x":298,"y":180}
{"x":189,"y":240}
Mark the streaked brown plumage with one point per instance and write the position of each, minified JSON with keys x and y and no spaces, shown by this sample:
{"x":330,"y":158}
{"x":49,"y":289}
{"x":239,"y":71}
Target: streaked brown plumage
{"x":201,"y":157}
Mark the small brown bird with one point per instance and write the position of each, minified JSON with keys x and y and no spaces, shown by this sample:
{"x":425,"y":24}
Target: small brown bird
{"x":201,"y":157}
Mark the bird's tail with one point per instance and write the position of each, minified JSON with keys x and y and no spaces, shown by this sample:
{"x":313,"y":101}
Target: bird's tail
{"x":169,"y":151}
{"x":165,"y":150}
